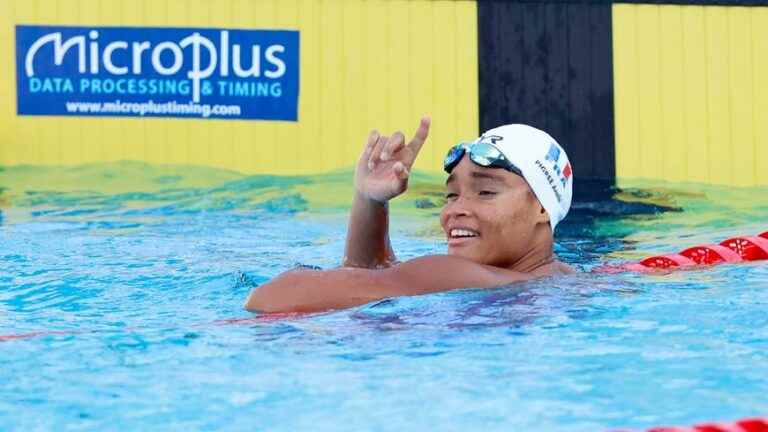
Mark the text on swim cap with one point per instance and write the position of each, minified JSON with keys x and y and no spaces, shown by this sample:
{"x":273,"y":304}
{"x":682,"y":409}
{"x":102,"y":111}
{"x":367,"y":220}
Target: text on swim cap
{"x":550,"y":179}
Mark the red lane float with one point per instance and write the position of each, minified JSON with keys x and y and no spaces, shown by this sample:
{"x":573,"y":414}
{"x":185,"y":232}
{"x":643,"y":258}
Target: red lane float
{"x":744,"y":425}
{"x":711,"y":254}
{"x":732,"y":250}
{"x":749,"y":248}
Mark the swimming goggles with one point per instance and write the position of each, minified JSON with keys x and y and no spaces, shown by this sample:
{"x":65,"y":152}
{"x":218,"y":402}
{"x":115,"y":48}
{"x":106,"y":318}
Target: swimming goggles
{"x":481,"y":153}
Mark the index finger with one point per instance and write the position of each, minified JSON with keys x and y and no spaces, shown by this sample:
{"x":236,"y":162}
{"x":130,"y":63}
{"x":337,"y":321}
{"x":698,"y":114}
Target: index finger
{"x":420,"y":136}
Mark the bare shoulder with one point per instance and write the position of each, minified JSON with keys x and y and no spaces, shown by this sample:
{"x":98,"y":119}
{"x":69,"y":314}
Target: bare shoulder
{"x":445,"y":272}
{"x":318,"y":290}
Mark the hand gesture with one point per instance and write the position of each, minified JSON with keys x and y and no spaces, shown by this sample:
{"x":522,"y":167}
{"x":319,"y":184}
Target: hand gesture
{"x":385,"y":165}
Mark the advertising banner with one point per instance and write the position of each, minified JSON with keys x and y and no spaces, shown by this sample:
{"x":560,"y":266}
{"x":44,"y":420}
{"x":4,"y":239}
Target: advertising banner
{"x":158,"y":72}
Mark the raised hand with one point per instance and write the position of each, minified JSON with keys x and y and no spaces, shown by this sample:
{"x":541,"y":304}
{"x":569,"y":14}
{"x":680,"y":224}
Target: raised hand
{"x":385,"y":165}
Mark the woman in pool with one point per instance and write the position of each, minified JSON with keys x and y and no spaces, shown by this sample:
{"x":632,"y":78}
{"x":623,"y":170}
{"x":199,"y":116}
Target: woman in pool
{"x":506,"y":192}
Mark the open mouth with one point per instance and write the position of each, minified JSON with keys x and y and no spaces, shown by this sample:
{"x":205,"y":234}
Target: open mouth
{"x":458,"y":236}
{"x":463,"y":232}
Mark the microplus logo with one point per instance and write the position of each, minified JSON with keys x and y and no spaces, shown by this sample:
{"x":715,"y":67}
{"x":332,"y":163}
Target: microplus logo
{"x":160,"y":72}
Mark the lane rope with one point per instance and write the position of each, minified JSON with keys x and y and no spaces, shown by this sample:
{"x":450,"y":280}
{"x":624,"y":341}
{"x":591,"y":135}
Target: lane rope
{"x":732,"y":250}
{"x":754,"y":424}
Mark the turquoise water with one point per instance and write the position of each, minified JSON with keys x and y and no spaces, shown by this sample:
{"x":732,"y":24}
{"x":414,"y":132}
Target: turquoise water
{"x":120,"y":309}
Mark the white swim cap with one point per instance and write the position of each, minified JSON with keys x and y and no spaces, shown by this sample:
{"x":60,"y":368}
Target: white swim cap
{"x":544,"y":165}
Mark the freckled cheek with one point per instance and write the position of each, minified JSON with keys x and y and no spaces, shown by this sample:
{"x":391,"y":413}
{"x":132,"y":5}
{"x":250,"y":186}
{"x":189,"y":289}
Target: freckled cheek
{"x":512,"y":227}
{"x":495,"y":227}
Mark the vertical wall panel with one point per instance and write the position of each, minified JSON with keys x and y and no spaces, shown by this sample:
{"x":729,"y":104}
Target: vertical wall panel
{"x":625,"y":70}
{"x":354,"y":77}
{"x":671,"y":88}
{"x":21,"y":147}
{"x":719,"y":83}
{"x":579,"y":140}
{"x":7,"y":94}
{"x":742,"y":103}
{"x":691,"y":101}
{"x":601,"y":93}
{"x":360,"y":69}
{"x":695,"y":106}
{"x":535,"y":55}
{"x":549,"y":64}
{"x":557,"y":117}
{"x":422,"y":66}
{"x":398,"y":46}
{"x":466,"y":62}
{"x":446,"y":59}
{"x":331,"y":102}
{"x":649,"y":90}
{"x":760,"y":114}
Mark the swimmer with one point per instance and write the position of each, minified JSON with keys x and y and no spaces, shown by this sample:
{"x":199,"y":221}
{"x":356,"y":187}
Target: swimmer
{"x":505,"y":193}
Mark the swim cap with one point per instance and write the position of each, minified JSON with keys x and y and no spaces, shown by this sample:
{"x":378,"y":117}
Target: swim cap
{"x":544,"y":165}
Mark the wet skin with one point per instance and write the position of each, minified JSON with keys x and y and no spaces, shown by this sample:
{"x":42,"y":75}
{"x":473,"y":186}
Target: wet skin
{"x":491,"y":215}
{"x":498,"y":233}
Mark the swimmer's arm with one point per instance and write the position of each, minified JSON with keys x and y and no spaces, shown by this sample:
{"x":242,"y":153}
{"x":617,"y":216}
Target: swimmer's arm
{"x":381,"y":174}
{"x":315,"y":291}
{"x":368,"y":244}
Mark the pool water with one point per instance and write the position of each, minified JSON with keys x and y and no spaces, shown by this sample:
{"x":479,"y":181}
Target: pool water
{"x":121,"y":291}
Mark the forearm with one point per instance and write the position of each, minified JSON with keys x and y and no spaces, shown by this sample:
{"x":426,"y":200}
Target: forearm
{"x":321,"y":290}
{"x":368,"y":244}
{"x":315,"y":290}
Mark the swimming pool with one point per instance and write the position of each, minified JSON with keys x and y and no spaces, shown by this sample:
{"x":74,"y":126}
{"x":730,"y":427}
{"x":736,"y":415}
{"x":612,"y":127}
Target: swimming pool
{"x":121,"y":291}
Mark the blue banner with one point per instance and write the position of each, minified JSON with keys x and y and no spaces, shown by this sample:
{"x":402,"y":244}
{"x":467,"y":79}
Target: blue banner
{"x":157,"y":72}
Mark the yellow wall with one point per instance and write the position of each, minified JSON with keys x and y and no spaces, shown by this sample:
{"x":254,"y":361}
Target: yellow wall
{"x":364,"y":64}
{"x":691,"y":93}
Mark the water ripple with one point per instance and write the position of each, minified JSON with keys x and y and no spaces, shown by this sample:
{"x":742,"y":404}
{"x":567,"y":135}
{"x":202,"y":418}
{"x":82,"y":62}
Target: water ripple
{"x":124,"y":307}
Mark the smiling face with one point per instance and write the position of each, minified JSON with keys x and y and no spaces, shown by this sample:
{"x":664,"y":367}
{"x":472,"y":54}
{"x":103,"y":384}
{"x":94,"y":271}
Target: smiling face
{"x":491,"y":215}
